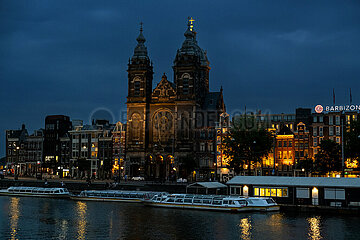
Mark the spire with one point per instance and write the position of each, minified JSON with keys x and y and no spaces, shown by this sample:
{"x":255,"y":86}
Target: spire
{"x":140,"y":49}
{"x":141,"y":38}
{"x":189,"y":33}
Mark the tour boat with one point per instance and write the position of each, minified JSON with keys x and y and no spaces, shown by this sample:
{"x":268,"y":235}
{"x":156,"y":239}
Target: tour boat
{"x":115,"y":195}
{"x":213,"y":202}
{"x":36,"y":192}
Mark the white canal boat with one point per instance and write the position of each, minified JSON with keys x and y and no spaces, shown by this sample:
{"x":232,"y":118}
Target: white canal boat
{"x":35,"y":192}
{"x":115,"y":195}
{"x":213,"y":202}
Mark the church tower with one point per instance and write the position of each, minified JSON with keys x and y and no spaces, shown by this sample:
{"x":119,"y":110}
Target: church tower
{"x":191,"y":69}
{"x":140,"y":73}
{"x":140,"y":76}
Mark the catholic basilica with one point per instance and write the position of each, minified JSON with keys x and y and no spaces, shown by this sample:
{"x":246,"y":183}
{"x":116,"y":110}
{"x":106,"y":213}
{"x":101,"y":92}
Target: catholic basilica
{"x":171,"y":129}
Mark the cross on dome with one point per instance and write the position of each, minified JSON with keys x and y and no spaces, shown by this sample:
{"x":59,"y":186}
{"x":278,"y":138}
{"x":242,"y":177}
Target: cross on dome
{"x":191,"y":21}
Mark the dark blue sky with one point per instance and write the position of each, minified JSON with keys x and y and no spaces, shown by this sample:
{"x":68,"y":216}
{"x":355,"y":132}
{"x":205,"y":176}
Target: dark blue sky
{"x":70,"y":57}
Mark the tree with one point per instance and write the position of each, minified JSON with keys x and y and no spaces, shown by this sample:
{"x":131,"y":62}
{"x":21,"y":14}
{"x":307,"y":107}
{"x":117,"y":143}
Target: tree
{"x":84,"y":165}
{"x":307,"y":165}
{"x":187,"y":165}
{"x":352,"y":141}
{"x":329,"y":157}
{"x":247,"y":145}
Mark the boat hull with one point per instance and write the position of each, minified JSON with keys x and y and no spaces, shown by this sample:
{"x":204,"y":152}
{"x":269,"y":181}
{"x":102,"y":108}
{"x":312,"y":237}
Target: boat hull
{"x":34,"y":195}
{"x":76,"y":198}
{"x":215,"y":208}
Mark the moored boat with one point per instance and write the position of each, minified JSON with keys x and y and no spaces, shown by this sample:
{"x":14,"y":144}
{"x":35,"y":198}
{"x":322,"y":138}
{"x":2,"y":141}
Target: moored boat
{"x":214,"y":202}
{"x":35,"y":192}
{"x":115,"y":195}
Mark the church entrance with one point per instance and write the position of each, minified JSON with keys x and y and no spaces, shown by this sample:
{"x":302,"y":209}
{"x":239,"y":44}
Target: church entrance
{"x":160,"y":168}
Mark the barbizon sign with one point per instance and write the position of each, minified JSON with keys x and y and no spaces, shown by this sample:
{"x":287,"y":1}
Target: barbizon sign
{"x":320,"y":108}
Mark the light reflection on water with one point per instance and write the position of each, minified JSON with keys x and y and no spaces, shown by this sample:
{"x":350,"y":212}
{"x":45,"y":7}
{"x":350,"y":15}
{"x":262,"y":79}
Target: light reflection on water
{"x":14,"y":217}
{"x":81,"y":224}
{"x":314,"y":228}
{"x":245,"y":226}
{"x":33,"y":218}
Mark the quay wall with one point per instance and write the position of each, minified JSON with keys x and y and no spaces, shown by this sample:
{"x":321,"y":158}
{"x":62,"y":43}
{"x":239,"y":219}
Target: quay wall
{"x":320,"y":209}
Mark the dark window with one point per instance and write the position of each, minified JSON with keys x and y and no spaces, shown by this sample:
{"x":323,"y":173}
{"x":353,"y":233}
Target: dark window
{"x":137,"y":88}
{"x":185,"y":86}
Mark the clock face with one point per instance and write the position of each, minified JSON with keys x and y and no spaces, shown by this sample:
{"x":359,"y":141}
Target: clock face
{"x":162,"y":126}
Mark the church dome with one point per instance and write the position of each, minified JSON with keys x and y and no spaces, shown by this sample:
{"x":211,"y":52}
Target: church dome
{"x":191,"y":50}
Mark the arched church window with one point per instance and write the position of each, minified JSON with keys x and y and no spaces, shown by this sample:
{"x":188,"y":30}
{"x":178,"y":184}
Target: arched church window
{"x":185,"y":83}
{"x":184,"y":125}
{"x":135,"y":126}
{"x":163,"y":126}
{"x":137,"y":88}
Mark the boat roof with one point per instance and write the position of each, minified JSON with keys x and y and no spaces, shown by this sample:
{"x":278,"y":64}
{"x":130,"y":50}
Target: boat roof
{"x":207,"y":185}
{"x":121,"y":191}
{"x":199,"y":196}
{"x":35,"y":188}
{"x":295,"y":181}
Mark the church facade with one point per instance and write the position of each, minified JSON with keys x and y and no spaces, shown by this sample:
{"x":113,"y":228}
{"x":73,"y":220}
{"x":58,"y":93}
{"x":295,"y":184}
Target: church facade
{"x":171,"y":129}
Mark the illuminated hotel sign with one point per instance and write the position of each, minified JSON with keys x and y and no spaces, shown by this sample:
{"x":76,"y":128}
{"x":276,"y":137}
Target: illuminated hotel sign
{"x":319,"y":108}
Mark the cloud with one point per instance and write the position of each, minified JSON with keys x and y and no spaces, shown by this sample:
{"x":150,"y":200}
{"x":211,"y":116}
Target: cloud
{"x":70,"y":57}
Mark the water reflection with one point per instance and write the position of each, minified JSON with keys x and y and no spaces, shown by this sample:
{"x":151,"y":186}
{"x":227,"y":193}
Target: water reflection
{"x":63,"y":229}
{"x":81,"y":208}
{"x":245,"y":226}
{"x":314,"y":228}
{"x":14,"y":217}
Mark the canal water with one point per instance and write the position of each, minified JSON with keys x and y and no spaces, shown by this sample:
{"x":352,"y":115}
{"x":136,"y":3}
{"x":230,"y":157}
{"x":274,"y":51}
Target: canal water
{"x":36,"y":218}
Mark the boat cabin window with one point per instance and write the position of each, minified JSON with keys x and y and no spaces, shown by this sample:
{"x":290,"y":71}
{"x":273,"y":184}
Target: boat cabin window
{"x":197,"y":201}
{"x":226,"y":202}
{"x":170,"y":200}
{"x":188,"y":200}
{"x":179,"y":200}
{"x":217,"y":202}
{"x":28,"y":190}
{"x":270,"y":201}
{"x":242,"y":202}
{"x":207,"y":201}
{"x":57,"y":191}
{"x":158,"y":199}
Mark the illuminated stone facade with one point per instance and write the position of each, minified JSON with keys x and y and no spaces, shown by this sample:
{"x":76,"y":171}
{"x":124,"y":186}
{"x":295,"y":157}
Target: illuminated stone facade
{"x":171,"y":129}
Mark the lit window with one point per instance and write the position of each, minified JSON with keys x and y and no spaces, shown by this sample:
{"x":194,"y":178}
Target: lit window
{"x":262,"y":191}
{"x":273,"y":192}
{"x":267,"y":192}
{"x":337,"y":120}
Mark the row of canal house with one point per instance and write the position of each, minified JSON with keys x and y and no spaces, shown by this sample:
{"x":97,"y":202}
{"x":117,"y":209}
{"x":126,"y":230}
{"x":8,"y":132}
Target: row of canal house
{"x":337,"y":192}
